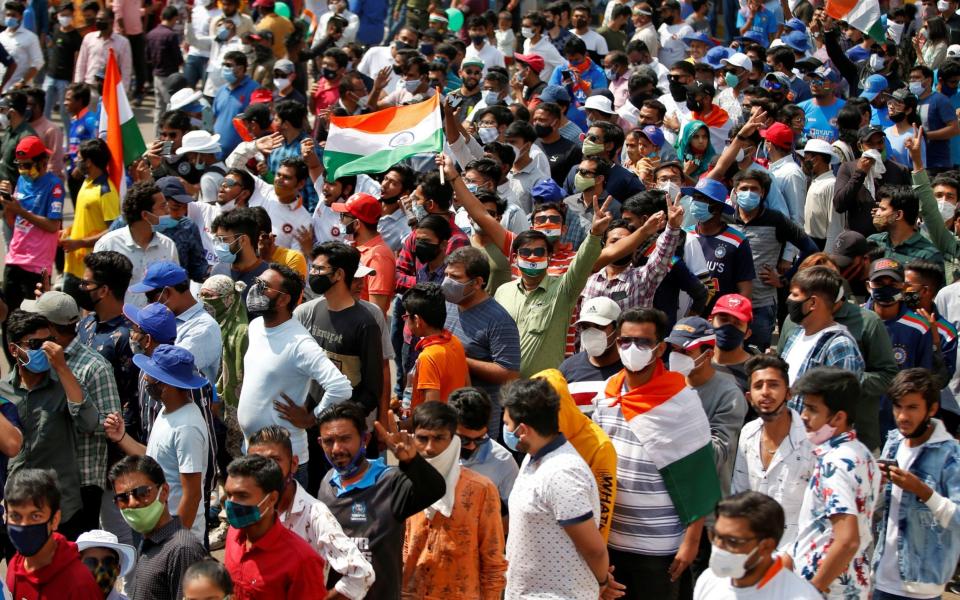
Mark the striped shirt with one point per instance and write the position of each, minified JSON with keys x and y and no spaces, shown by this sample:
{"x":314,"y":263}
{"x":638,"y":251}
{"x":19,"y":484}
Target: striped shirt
{"x":644,"y":518}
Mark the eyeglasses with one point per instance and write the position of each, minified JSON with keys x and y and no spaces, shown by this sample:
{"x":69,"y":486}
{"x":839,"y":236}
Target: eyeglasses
{"x":627,"y":341}
{"x":36,"y":343}
{"x":544,"y":219}
{"x":528,"y":252}
{"x":141,"y":493}
{"x":225,"y":239}
{"x":88,"y":286}
{"x":316,"y":270}
{"x":726,"y":541}
{"x":591,"y":137}
{"x":466,"y":440}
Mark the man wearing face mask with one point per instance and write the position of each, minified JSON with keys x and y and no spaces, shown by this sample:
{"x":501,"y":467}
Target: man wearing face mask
{"x":360,"y":215}
{"x":586,"y":371}
{"x":692,"y":343}
{"x":283,"y":75}
{"x":258,"y":541}
{"x":328,"y":89}
{"x":774,"y":456}
{"x":204,"y":171}
{"x":821,"y":223}
{"x":652,"y":565}
{"x":46,"y":564}
{"x":22,"y":45}
{"x":739,"y":567}
{"x":537,"y":44}
{"x":895,"y":216}
{"x":179,"y":438}
{"x":143,"y":209}
{"x":92,"y":58}
{"x":107,"y":559}
{"x":415,"y":84}
{"x":836,"y":516}
{"x":312,"y":521}
{"x":232,"y":98}
{"x":479,"y":451}
{"x":939,"y":119}
{"x":480,"y":47}
{"x":48,"y":395}
{"x":398,"y":182}
{"x":730,"y":318}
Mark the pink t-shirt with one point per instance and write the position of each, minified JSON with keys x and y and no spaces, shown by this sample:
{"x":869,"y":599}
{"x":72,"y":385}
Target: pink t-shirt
{"x":33,"y":249}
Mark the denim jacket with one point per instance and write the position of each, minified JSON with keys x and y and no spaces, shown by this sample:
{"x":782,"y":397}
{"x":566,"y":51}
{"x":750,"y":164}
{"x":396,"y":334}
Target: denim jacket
{"x":928,"y":545}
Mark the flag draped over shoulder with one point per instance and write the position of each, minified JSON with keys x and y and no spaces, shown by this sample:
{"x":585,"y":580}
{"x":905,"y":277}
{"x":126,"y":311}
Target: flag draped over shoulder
{"x":859,"y":14}
{"x":118,"y":126}
{"x":668,"y":419}
{"x":375,"y":142}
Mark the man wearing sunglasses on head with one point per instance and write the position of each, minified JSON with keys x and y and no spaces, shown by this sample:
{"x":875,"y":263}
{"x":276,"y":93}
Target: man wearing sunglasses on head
{"x":168,"y":548}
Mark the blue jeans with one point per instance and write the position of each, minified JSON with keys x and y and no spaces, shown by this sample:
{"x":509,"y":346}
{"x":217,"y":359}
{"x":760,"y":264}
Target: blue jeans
{"x":761,"y":328}
{"x":55,"y":90}
{"x":878,"y":595}
{"x":195,"y":70}
{"x":394,"y":26}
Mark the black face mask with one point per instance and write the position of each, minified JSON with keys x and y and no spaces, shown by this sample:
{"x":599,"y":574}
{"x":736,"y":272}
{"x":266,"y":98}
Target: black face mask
{"x":320,"y":283}
{"x":548,"y":25}
{"x":678,"y":91}
{"x":637,"y":100}
{"x":694,"y":105}
{"x":897,"y":117}
{"x":329,"y":74}
{"x":189,"y":172}
{"x":729,"y":337}
{"x":426,"y":251}
{"x":542,"y":130}
{"x":85,"y":301}
{"x":911,"y":299}
{"x":795,"y":310}
{"x":397,"y":70}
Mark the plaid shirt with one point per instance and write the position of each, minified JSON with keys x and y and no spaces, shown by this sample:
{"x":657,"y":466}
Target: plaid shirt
{"x":96,"y":378}
{"x":835,"y":348}
{"x":407,"y":263}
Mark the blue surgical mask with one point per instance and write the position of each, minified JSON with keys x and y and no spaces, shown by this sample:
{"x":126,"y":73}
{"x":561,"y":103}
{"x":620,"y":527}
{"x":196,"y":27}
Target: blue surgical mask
{"x":228,"y":75}
{"x":511,"y":439}
{"x":490,"y":97}
{"x":11,"y":22}
{"x":224,"y":254}
{"x":748,"y":200}
{"x":166,"y":222}
{"x":419,"y":211}
{"x":731,"y":79}
{"x":916,"y":88}
{"x":611,"y":74}
{"x":700,"y":211}
{"x":473,"y":188}
{"x":222,"y":34}
{"x":411,"y":85}
{"x":37,"y":361}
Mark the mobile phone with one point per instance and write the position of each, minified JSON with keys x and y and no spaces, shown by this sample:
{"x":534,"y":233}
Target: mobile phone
{"x":454,"y":101}
{"x":167,"y":148}
{"x":565,"y":74}
{"x":886,"y":463}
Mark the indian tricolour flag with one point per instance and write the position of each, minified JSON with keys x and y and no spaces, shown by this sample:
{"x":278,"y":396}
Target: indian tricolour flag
{"x":373,"y":143}
{"x":667,"y":417}
{"x":118,"y":126}
{"x":859,"y":14}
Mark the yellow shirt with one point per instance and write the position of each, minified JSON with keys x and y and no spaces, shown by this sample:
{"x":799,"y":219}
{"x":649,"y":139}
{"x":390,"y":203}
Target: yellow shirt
{"x":291,"y":258}
{"x":280,"y":27}
{"x":97,"y":205}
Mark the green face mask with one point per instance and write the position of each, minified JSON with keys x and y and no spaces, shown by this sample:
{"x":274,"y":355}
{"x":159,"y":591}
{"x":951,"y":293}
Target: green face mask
{"x":592,"y":148}
{"x":143,"y":520}
{"x":581,"y":183}
{"x":217,"y":307}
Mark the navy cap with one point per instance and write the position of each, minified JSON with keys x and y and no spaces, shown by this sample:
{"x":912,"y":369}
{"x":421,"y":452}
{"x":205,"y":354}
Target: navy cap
{"x":547,"y":190}
{"x":160,"y":275}
{"x":171,"y":365}
{"x":155,"y":319}
{"x":171,"y":187}
{"x":654,"y":134}
{"x":691,"y":332}
{"x":712,"y":189}
{"x":555,"y":93}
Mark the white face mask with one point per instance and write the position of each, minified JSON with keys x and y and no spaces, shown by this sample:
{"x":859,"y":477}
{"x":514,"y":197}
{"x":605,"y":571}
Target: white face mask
{"x":724,"y":563}
{"x":947,"y":209}
{"x":635,"y":359}
{"x":594,"y":342}
{"x":281,"y":84}
{"x":64,"y":21}
{"x":672,"y":189}
{"x":681,"y":363}
{"x":943,"y":6}
{"x":740,"y":155}
{"x":876,"y":62}
{"x":526,"y":32}
{"x":488,"y":134}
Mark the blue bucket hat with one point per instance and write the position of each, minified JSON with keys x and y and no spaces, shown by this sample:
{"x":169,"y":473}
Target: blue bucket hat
{"x":715,"y":56}
{"x":797,"y":41}
{"x":171,"y":365}
{"x":698,"y":36}
{"x":712,"y":189}
{"x":154,"y":319}
{"x":796,"y":25}
{"x":754,"y":36}
{"x":160,"y":275}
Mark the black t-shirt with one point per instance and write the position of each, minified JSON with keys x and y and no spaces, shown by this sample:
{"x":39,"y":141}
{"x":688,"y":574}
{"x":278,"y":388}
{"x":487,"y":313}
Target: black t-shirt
{"x":579,"y":368}
{"x":563,"y":155}
{"x":465,"y":108}
{"x":66,"y":44}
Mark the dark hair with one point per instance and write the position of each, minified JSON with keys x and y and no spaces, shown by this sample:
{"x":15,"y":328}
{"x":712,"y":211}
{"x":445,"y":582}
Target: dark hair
{"x":915,"y":381}
{"x":176,"y":119}
{"x":240,"y":221}
{"x":685,"y":66}
{"x":550,"y":107}
{"x":344,"y":411}
{"x":21,"y":323}
{"x":646,"y":315}
{"x":603,"y":165}
{"x":426,"y":300}
{"x":212,"y":569}
{"x":754,"y":175}
{"x":299,"y":167}
{"x":936,"y":29}
{"x":111,"y":269}
{"x":435,"y":415}
{"x":502,"y":114}
{"x":15,"y":6}
{"x":924,"y":71}
{"x":486,"y":196}
{"x":291,"y":283}
{"x":763,"y":513}
{"x":39,"y":98}
{"x":947,"y":179}
{"x":486,"y":167}
{"x":530,"y":235}
{"x":139,"y":199}
{"x":440,"y":194}
{"x":169,"y":12}
{"x":292,"y":112}
{"x":340,"y":256}
{"x":657,"y":106}
{"x":408,"y":177}
{"x":264,"y":471}
{"x":521,"y":129}
{"x":37,"y":486}
{"x":273,"y":435}
{"x":783,"y":55}
{"x":338,"y":55}
{"x":574,"y":46}
{"x":645,"y":203}
{"x":929,"y":271}
{"x":612,"y":133}
{"x":237,"y":57}
{"x":473,"y":407}
{"x":617,"y":224}
{"x":767,"y":361}
{"x":559,"y":7}
{"x":264,"y":222}
{"x":136,"y":464}
{"x":80,"y":92}
{"x":818,"y":280}
{"x":534,"y":403}
{"x":838,"y":387}
{"x":475,"y":262}
{"x":96,"y":151}
{"x":476,"y":22}
{"x":505,"y":156}
{"x":438,"y":224}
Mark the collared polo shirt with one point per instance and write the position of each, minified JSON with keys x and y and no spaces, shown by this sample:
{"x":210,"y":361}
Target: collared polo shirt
{"x":915,"y":247}
{"x":199,"y":333}
{"x":278,"y":565}
{"x":164,"y":556}
{"x":160,"y":248}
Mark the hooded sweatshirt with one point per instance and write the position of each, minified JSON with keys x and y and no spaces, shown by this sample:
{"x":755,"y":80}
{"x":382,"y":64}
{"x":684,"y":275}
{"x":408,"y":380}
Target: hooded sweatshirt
{"x":591,"y":442}
{"x":65,"y":578}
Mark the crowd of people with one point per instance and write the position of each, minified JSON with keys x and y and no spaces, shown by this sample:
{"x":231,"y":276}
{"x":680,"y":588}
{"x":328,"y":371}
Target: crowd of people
{"x":672,"y":314}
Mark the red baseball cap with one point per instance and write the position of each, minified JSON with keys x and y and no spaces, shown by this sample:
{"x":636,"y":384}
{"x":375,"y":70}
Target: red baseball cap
{"x":362,"y":206}
{"x":261,"y":95}
{"x":31,"y":147}
{"x":263,"y":3}
{"x":534,"y":61}
{"x":734,"y":305}
{"x":779,"y":135}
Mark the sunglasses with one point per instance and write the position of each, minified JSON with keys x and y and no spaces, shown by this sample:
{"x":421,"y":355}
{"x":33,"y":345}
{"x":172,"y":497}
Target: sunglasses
{"x":466,"y":441}
{"x":544,"y":219}
{"x":35,"y":343}
{"x":586,"y":172}
{"x":141,"y":493}
{"x":639,"y":342}
{"x":536,"y":252}
{"x":93,"y":563}
{"x":229,"y":182}
{"x":262,"y":285}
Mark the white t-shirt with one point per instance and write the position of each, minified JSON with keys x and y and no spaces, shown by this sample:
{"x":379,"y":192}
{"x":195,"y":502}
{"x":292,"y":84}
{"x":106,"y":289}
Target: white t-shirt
{"x":672,"y":47}
{"x":489,"y":54}
{"x":801,"y":348}
{"x":777,"y":583}
{"x":594,"y":41}
{"x":179,"y":442}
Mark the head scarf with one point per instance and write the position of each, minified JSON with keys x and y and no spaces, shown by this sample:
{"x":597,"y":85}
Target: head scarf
{"x":228,"y":309}
{"x":682,"y":147}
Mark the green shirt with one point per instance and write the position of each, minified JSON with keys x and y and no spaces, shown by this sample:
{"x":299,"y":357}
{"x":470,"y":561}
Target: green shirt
{"x":543,"y":315}
{"x":914,"y":247}
{"x":945,"y":240}
{"x":8,"y":146}
{"x":50,"y":423}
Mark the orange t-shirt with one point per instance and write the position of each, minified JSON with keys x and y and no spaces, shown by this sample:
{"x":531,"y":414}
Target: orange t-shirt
{"x":378,"y":256}
{"x":442,"y":365}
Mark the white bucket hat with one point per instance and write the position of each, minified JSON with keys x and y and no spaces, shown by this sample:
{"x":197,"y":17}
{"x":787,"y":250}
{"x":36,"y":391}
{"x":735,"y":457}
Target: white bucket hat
{"x":98,"y":538}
